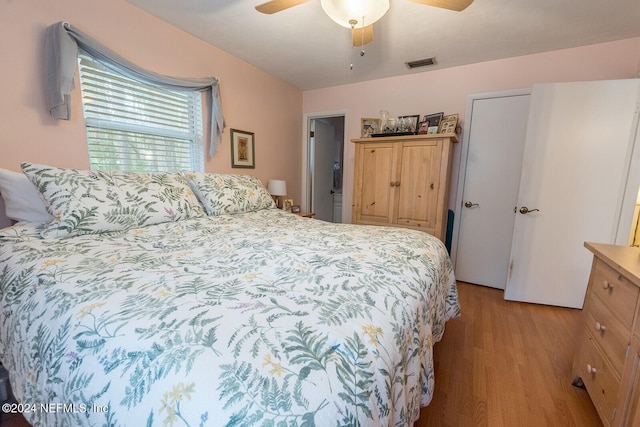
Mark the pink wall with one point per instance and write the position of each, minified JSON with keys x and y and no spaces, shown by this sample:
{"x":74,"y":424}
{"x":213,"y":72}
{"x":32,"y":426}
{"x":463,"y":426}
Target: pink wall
{"x":252,"y":100}
{"x":446,"y":90}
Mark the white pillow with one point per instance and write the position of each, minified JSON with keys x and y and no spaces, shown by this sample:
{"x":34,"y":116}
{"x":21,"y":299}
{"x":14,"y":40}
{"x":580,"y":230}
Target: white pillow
{"x":22,"y":200}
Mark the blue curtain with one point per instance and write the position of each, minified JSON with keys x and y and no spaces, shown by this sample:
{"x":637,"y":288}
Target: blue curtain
{"x":62,"y":43}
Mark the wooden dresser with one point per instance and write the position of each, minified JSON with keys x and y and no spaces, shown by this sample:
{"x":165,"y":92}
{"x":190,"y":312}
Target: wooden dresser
{"x":403,"y":181}
{"x":607,"y":359}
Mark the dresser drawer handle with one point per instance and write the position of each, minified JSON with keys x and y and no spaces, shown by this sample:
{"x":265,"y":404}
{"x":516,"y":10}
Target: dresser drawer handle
{"x":606,"y":285}
{"x":600,"y":327}
{"x":591,"y":370}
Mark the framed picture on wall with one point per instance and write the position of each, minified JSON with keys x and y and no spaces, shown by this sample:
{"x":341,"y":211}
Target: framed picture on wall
{"x":242,"y":149}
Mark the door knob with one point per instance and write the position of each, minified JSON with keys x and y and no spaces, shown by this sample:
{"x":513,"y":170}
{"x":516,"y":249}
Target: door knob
{"x":470,"y":205}
{"x":526,"y":210}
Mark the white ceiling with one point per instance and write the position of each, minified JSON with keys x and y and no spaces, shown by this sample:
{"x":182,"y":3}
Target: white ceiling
{"x":305,"y":48}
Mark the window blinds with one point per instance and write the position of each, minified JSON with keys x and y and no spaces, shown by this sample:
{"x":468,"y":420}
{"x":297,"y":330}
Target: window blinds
{"x":139,"y":127}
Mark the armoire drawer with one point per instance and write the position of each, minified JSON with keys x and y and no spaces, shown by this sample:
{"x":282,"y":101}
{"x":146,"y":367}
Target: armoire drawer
{"x":611,"y":335}
{"x":598,"y":377}
{"x":615,"y":291}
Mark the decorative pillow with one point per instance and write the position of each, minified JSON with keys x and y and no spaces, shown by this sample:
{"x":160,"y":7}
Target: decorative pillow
{"x":89,"y":202}
{"x":229,"y":194}
{"x":22,"y":201}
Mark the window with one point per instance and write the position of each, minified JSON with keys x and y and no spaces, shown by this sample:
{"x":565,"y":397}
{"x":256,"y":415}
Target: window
{"x":137,"y":127}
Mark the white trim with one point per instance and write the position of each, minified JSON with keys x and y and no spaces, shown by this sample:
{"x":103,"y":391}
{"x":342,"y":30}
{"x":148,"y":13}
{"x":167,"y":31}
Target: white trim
{"x":464,"y":151}
{"x":306,"y":120}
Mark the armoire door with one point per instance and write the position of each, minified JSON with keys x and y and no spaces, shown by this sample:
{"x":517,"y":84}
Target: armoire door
{"x":418,"y":184}
{"x":490,"y":176}
{"x":373,"y":178}
{"x":574,"y":176}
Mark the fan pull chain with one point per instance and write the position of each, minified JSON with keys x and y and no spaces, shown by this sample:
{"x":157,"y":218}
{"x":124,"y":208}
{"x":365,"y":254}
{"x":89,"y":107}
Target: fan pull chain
{"x":351,"y":59}
{"x":353,"y":23}
{"x":362,"y":38}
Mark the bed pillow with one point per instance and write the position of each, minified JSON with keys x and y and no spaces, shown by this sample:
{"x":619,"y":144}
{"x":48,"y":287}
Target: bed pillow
{"x":90,"y":202}
{"x":22,"y":201}
{"x":229,"y":194}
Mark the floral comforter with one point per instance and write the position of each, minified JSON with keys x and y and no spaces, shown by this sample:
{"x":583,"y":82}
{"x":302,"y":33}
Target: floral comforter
{"x":262,"y":318}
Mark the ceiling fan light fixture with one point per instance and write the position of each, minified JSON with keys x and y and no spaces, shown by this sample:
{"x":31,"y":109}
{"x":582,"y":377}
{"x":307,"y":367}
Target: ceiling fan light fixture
{"x":365,"y":12}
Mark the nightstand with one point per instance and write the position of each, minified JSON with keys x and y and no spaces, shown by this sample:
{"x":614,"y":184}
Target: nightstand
{"x":306,"y":214}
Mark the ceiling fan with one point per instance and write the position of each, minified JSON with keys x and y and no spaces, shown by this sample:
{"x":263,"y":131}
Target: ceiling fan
{"x":359,"y":15}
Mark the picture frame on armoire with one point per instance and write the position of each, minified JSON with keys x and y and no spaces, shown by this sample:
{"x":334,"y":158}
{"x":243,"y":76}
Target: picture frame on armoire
{"x":433,"y":121}
{"x":423,"y":127}
{"x":368,"y":127}
{"x":409,"y":123}
{"x":448,"y":125}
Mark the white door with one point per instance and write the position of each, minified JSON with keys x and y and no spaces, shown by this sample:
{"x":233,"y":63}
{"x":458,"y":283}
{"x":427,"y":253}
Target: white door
{"x":494,"y":140}
{"x":573,"y":177}
{"x":324,"y":142}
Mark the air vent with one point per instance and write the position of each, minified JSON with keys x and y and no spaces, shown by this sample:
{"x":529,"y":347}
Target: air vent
{"x":421,"y":63}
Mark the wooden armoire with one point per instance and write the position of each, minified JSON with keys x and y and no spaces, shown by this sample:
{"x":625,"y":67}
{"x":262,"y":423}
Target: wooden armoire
{"x":403,"y":181}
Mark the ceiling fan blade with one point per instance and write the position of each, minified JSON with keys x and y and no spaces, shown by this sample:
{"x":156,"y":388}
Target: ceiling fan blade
{"x":274,"y":6}
{"x":457,"y":5}
{"x":359,"y":38}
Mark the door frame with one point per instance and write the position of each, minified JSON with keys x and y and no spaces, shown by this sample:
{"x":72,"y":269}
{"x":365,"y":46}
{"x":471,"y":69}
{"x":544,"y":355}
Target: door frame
{"x":306,"y":178}
{"x":464,"y":152}
{"x":627,"y":199}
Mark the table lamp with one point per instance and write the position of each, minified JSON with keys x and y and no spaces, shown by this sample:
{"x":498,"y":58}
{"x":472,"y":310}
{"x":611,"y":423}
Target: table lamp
{"x":277,"y":188}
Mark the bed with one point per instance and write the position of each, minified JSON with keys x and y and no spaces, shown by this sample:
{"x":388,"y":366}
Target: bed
{"x":223,"y":310}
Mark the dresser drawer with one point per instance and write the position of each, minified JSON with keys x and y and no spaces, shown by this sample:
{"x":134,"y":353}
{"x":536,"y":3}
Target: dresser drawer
{"x":600,"y":381}
{"x":608,"y":332}
{"x":615,"y":291}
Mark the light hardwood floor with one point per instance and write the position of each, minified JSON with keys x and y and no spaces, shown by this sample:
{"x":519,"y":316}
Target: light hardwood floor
{"x":504,"y":364}
{"x":501,"y":364}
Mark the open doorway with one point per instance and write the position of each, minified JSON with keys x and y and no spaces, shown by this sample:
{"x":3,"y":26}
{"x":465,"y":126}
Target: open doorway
{"x":325,"y":166}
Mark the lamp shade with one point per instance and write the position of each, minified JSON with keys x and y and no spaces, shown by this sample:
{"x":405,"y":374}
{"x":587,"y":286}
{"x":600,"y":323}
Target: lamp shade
{"x":277,"y":187}
{"x":343,"y":11}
